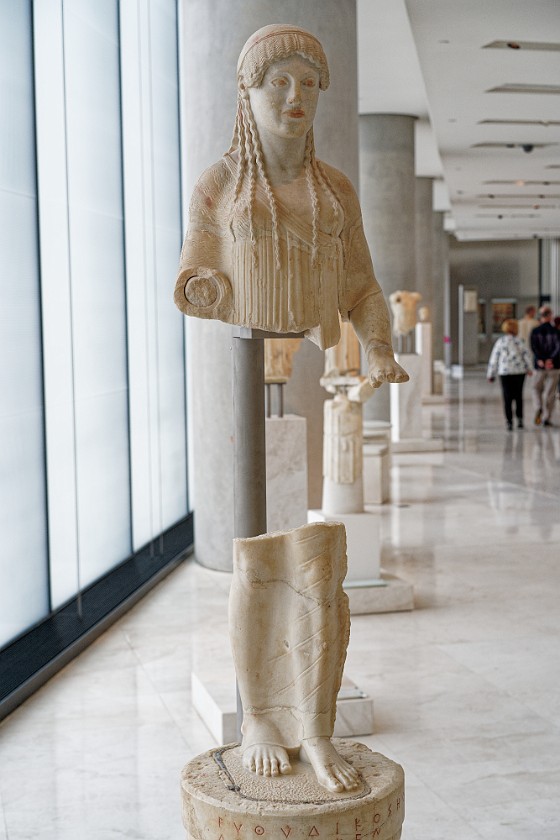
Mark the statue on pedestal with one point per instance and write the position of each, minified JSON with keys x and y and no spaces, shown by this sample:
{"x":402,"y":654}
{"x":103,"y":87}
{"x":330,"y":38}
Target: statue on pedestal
{"x":403,"y":307}
{"x":343,"y":488}
{"x":278,"y":365}
{"x":275,"y":242}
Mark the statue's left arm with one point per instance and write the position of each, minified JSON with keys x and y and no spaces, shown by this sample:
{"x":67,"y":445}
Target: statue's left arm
{"x":361,"y":300}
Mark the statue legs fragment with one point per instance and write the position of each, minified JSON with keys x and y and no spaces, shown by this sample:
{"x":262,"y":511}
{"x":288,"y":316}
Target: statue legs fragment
{"x":289,"y":626}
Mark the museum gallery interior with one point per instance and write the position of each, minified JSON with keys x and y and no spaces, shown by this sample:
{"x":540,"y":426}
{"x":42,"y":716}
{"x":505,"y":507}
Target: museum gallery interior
{"x":280,"y":419}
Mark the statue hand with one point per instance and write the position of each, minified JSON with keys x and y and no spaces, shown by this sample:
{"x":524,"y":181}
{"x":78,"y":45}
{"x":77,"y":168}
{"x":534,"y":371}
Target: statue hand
{"x":382,"y":367}
{"x":203,"y":292}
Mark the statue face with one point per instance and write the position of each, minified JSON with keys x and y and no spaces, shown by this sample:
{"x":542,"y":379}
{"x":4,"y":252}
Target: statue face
{"x":285,"y":102}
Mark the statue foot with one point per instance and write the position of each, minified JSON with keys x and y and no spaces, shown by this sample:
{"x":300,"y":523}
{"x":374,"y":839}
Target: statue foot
{"x":383,"y":367}
{"x":267,"y":760}
{"x":332,"y":771}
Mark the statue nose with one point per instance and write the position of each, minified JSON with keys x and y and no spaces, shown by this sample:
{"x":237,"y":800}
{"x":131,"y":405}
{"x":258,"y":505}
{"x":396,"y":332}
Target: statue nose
{"x":295,"y":95}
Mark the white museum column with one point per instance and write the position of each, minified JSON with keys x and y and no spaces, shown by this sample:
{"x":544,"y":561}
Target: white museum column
{"x":387,"y":188}
{"x":440,"y":267}
{"x":220,"y":29}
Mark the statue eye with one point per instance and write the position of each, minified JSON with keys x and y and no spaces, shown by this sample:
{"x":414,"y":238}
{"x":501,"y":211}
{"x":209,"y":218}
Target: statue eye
{"x":310,"y":83}
{"x":281,"y":82}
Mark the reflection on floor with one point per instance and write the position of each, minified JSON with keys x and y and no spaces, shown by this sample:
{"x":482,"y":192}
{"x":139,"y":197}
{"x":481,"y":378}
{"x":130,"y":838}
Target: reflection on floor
{"x":466,"y":687}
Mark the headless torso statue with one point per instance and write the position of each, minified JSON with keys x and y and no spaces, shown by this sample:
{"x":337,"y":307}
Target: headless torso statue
{"x":275,"y":242}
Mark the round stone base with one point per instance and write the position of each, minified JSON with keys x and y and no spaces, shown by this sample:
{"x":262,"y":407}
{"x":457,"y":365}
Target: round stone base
{"x":224,"y":801}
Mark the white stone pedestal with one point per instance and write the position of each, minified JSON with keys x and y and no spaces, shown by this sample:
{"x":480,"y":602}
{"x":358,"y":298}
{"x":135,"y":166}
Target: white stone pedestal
{"x":369,"y":588}
{"x":377,"y":473}
{"x":223,"y":801}
{"x":286,"y":472}
{"x":406,"y":410}
{"x":213,"y":699}
{"x":390,"y":594}
{"x":406,"y":400}
{"x":439,"y":377}
{"x":423,"y":337}
{"x":363,"y":544}
{"x":376,"y":431}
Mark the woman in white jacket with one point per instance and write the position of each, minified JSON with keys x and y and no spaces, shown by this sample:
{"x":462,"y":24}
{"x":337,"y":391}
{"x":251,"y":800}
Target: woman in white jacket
{"x":510,"y":360}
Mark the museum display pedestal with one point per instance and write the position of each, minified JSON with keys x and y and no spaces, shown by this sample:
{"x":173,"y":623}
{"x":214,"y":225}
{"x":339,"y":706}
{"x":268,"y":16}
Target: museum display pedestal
{"x":213,"y":699}
{"x":406,"y":410}
{"x":376,"y":431}
{"x":432,"y":389}
{"x":369,"y":588}
{"x":221,"y":800}
{"x":377,"y":473}
{"x":286,"y":472}
{"x":363,"y":544}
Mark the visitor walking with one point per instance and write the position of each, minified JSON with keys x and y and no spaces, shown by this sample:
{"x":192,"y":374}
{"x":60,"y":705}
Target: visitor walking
{"x":510,"y":360}
{"x":545,"y":344}
{"x":527,"y":324}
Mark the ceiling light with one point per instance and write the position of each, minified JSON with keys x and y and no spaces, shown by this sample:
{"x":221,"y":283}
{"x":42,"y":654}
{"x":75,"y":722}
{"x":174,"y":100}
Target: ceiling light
{"x":527,"y":147}
{"x":522,"y":45}
{"x":543,"y":123}
{"x":494,"y":206}
{"x":514,"y":196}
{"x":522,"y":183}
{"x":524,"y":88}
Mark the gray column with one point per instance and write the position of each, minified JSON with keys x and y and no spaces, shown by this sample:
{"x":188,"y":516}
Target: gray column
{"x":424,"y":241}
{"x":387,"y":188}
{"x":212,"y":35}
{"x":440,"y":267}
{"x":549,"y":271}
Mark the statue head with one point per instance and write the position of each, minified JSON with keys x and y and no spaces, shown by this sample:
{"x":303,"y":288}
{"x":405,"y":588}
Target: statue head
{"x":276,"y":42}
{"x":270,"y":56}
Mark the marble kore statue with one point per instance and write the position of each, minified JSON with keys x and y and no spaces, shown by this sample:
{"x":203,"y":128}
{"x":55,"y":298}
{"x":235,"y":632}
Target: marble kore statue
{"x":275,"y":242}
{"x":343,"y":489}
{"x":275,"y":239}
{"x":278,"y":359}
{"x":403,"y":307}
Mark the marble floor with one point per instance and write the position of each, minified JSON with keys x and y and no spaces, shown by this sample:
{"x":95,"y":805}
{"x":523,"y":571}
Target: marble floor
{"x":466,"y":687}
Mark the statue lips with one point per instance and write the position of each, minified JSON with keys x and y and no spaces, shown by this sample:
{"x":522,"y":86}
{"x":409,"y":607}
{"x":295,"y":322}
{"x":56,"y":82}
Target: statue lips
{"x":297,"y":113}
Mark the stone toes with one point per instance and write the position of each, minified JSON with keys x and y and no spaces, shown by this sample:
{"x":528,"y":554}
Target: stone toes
{"x":267,"y":766}
{"x":285,"y":767}
{"x":335,"y":785}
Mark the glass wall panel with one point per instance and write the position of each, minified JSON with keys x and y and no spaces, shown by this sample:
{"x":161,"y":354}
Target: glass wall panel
{"x":152,"y":189}
{"x":95,"y":209}
{"x":93,"y":461}
{"x":167,"y":204}
{"x":23,"y":560}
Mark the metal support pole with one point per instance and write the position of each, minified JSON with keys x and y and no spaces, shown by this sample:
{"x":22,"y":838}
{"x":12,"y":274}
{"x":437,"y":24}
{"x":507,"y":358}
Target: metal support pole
{"x":268,"y":399}
{"x":249,"y":449}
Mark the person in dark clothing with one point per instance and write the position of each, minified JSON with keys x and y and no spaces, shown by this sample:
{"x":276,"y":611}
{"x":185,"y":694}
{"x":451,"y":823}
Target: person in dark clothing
{"x":545,"y":344}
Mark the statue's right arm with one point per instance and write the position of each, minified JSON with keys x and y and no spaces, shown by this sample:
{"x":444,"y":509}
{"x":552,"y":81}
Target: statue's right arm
{"x":203,"y":288}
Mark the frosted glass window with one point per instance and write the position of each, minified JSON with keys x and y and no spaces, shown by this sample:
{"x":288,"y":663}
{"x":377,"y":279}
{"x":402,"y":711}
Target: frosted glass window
{"x":152,"y":189}
{"x":95,"y":207}
{"x":167,"y":205}
{"x":23,"y":560}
